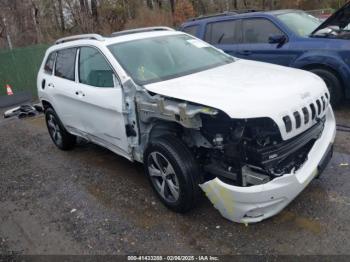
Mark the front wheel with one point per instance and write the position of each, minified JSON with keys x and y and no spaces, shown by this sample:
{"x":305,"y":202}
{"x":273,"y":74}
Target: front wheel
{"x":59,"y":135}
{"x":173,"y":173}
{"x":333,"y":84}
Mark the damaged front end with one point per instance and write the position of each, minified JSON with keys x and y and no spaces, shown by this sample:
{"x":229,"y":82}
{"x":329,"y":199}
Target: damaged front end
{"x":252,"y":173}
{"x":252,"y":152}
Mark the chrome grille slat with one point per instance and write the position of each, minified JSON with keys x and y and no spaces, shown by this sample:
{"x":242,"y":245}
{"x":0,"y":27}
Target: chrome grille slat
{"x":297,"y":119}
{"x":323,"y":103}
{"x":319,"y":109}
{"x":307,"y":114}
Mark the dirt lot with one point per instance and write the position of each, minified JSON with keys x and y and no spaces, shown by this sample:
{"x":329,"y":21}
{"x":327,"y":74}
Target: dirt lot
{"x":90,"y":201}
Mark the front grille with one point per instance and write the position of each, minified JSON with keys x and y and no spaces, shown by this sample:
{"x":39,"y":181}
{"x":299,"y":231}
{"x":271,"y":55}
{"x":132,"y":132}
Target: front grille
{"x":313,"y":110}
{"x":297,"y":118}
{"x":306,"y":115}
{"x":275,"y":156}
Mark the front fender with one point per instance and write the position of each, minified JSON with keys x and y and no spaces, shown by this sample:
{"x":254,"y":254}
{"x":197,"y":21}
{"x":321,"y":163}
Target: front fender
{"x":327,"y":59}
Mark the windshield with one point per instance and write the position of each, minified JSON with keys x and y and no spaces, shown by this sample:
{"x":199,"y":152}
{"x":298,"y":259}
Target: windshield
{"x":161,"y":58}
{"x":301,"y":23}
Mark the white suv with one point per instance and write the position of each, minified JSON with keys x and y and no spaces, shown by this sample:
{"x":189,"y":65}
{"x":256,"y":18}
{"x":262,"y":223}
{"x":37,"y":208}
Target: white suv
{"x":250,"y":135}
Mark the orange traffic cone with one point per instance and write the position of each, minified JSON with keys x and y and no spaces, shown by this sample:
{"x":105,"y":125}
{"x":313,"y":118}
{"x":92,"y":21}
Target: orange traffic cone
{"x":9,"y":90}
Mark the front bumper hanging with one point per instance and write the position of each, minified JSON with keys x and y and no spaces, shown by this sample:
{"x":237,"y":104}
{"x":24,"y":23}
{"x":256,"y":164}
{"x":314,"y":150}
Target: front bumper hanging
{"x":256,"y":203}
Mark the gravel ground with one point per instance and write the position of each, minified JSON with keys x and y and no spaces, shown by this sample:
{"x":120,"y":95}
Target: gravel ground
{"x":91,"y":201}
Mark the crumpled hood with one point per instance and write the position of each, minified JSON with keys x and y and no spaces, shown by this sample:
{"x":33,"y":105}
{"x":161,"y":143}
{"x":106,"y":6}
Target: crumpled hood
{"x":340,"y":18}
{"x":247,"y":89}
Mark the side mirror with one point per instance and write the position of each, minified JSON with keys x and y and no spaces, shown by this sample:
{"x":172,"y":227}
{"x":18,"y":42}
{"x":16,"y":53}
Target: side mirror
{"x":277,"y":39}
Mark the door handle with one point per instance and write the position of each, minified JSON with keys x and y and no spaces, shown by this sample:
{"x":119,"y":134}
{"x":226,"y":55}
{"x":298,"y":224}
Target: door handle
{"x":79,"y":93}
{"x":43,"y":84}
{"x":245,"y":52}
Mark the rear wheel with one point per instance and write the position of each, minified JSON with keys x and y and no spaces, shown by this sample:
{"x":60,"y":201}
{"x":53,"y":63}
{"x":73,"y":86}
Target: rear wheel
{"x":59,"y":135}
{"x":333,"y":84}
{"x":173,"y":173}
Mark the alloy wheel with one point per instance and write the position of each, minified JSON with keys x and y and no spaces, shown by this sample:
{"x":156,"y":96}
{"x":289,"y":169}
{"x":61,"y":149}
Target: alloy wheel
{"x":54,"y":129}
{"x":163,"y":177}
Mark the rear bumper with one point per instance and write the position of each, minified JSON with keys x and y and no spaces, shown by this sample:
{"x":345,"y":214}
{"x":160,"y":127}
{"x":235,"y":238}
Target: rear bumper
{"x":256,"y":203}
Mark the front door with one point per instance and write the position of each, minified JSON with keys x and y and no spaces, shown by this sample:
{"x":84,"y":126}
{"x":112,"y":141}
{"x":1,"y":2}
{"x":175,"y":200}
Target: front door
{"x":255,"y":44}
{"x":101,"y":100}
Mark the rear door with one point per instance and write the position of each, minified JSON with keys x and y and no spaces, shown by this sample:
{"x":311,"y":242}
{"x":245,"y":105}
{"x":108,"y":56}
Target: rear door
{"x":45,"y":76}
{"x":62,"y":88}
{"x":255,"y":44}
{"x":192,"y":30}
{"x":225,"y":35}
{"x":100,"y":99}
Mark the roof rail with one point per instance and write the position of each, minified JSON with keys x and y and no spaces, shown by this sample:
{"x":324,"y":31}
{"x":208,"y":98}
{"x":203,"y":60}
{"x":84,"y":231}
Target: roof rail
{"x":78,"y":37}
{"x":213,"y":15}
{"x":142,"y":30}
{"x":226,"y":13}
{"x":244,"y":11}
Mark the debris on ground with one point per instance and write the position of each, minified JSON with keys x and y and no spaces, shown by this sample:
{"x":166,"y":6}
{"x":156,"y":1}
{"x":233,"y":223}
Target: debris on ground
{"x":24,"y":111}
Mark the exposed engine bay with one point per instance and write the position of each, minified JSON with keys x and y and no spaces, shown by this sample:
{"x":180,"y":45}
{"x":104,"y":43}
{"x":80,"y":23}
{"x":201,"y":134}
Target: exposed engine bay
{"x":333,"y":32}
{"x":251,"y":152}
{"x":241,"y":152}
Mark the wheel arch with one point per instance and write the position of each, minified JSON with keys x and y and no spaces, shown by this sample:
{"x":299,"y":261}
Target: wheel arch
{"x":46,"y":104}
{"x":162,"y":127}
{"x":329,"y":61}
{"x":329,"y":68}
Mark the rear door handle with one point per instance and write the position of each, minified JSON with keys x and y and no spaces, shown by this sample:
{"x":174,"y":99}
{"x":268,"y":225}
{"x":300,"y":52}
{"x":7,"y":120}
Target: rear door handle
{"x":79,"y":93}
{"x":245,"y":52}
{"x":43,"y":84}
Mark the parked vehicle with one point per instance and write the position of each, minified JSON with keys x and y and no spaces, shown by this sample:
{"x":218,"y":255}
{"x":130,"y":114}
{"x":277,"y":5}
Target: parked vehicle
{"x":193,"y":115}
{"x":285,"y":37}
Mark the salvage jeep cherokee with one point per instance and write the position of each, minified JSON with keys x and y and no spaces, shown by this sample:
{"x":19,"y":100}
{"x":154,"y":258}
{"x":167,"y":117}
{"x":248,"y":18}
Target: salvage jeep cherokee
{"x":250,"y":135}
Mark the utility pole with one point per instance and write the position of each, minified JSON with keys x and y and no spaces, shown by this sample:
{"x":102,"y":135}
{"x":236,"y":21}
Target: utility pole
{"x":7,"y":34}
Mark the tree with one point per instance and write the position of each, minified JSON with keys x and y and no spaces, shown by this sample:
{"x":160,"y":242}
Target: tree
{"x":60,"y":10}
{"x":149,"y":4}
{"x":172,"y":6}
{"x":183,"y":11}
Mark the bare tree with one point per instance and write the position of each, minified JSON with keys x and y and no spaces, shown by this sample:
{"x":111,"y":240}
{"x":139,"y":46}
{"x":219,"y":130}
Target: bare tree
{"x":61,"y":15}
{"x":94,"y":10}
{"x":172,"y":6}
{"x":36,"y":20}
{"x":150,"y":4}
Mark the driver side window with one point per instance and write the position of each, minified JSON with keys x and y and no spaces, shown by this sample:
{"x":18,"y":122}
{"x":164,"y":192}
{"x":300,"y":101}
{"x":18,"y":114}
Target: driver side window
{"x":94,"y":69}
{"x":259,"y":30}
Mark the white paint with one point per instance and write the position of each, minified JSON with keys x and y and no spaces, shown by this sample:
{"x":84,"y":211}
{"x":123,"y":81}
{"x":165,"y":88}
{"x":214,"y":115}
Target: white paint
{"x":248,"y":89}
{"x":269,"y":199}
{"x":242,"y":89}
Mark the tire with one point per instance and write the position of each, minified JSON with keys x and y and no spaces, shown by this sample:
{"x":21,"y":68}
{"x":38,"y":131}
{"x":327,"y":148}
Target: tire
{"x":182,"y":176}
{"x":59,"y":135}
{"x":333,"y":84}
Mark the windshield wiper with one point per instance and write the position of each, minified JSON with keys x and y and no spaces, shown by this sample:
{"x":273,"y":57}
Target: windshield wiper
{"x":327,"y":34}
{"x":221,"y":37}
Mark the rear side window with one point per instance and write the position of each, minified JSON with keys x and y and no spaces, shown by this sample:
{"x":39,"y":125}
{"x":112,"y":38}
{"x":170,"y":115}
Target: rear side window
{"x":94,"y":70}
{"x":226,"y":32}
{"x":259,"y":30}
{"x":192,"y":30}
{"x":49,"y":63}
{"x":65,"y":63}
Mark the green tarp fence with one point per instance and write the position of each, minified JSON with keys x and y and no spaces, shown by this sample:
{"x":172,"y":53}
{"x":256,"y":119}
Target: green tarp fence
{"x":19,"y":68}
